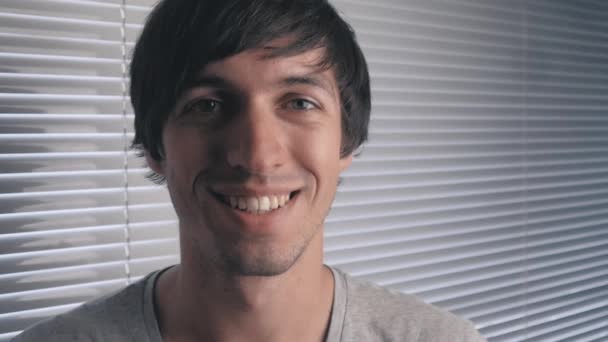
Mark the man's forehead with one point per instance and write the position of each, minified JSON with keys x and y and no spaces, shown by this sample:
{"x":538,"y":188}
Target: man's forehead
{"x":307,"y":67}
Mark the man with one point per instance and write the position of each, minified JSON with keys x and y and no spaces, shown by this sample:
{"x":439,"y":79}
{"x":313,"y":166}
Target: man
{"x":249,"y":111}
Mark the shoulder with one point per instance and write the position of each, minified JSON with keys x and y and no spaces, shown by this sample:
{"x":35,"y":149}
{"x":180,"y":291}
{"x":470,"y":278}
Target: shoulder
{"x":395,"y":316}
{"x":102,"y":319}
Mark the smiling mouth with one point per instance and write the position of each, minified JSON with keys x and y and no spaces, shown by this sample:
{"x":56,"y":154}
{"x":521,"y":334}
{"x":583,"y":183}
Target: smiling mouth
{"x":256,"y":204}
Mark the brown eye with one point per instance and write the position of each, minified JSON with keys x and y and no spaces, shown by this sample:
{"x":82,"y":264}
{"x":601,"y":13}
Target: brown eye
{"x":203,"y":106}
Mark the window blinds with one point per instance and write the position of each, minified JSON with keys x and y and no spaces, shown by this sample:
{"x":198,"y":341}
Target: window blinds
{"x":483,"y":188}
{"x":72,"y":209}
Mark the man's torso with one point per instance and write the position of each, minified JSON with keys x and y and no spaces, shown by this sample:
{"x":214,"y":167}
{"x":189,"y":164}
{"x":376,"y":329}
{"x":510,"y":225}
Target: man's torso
{"x":361,"y":312}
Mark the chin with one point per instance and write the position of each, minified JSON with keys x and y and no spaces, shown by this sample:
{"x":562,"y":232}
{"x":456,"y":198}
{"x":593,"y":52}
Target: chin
{"x":261,"y":261}
{"x":248,"y":269}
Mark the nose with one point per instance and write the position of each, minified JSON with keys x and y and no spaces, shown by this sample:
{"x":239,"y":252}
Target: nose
{"x":255,"y":141}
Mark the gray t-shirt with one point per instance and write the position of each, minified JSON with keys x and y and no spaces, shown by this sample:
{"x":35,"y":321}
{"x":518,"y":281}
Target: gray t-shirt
{"x":361,"y":312}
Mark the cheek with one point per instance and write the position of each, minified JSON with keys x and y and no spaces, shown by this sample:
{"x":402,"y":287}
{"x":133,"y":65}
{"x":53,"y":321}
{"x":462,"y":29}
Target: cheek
{"x":180,"y":184}
{"x":319,"y":152}
{"x":185,"y":150}
{"x":184,"y":160}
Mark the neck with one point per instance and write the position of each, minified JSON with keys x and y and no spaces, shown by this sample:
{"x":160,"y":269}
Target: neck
{"x":210,"y":305}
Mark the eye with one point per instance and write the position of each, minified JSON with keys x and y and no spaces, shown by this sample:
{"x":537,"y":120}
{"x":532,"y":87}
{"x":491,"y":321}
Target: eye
{"x":203,"y":106}
{"x":302,"y":104}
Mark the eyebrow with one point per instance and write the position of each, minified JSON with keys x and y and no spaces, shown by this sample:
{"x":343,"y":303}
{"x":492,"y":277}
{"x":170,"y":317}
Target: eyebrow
{"x":311,"y":80}
{"x":221,"y":83}
{"x":208,"y":81}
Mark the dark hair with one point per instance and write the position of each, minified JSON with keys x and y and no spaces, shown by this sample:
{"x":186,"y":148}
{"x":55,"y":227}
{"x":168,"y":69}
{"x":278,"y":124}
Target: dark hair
{"x":182,"y":36}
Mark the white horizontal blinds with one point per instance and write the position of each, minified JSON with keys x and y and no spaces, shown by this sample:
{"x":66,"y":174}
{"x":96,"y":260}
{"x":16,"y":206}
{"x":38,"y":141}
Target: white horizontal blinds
{"x":62,"y":152}
{"x":567,"y":145}
{"x":484,"y":187}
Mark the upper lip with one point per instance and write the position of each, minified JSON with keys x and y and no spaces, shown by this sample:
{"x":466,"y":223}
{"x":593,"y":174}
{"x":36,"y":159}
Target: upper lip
{"x":241,"y":191}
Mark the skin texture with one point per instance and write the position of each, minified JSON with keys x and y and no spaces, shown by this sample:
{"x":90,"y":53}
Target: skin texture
{"x":251,"y":126}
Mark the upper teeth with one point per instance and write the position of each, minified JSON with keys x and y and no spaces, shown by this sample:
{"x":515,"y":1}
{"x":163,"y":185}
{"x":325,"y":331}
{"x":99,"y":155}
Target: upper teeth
{"x":260,"y":204}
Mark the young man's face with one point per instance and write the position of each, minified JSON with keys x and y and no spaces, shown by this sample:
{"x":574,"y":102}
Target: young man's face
{"x":252,"y":160}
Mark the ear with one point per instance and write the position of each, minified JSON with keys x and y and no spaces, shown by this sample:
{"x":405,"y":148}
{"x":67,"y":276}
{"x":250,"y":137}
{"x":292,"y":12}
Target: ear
{"x":345,"y":162}
{"x":155,"y":165}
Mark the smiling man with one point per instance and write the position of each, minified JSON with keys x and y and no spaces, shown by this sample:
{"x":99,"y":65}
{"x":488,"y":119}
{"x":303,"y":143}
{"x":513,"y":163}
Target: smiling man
{"x":249,"y":111}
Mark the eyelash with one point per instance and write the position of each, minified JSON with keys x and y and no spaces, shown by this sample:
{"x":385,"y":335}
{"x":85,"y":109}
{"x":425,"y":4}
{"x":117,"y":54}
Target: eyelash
{"x":216,"y":105}
{"x":311,"y":105}
{"x":192,"y":105}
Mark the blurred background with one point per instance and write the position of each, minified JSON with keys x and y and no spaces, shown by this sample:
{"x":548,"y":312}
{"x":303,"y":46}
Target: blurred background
{"x":483,"y":188}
